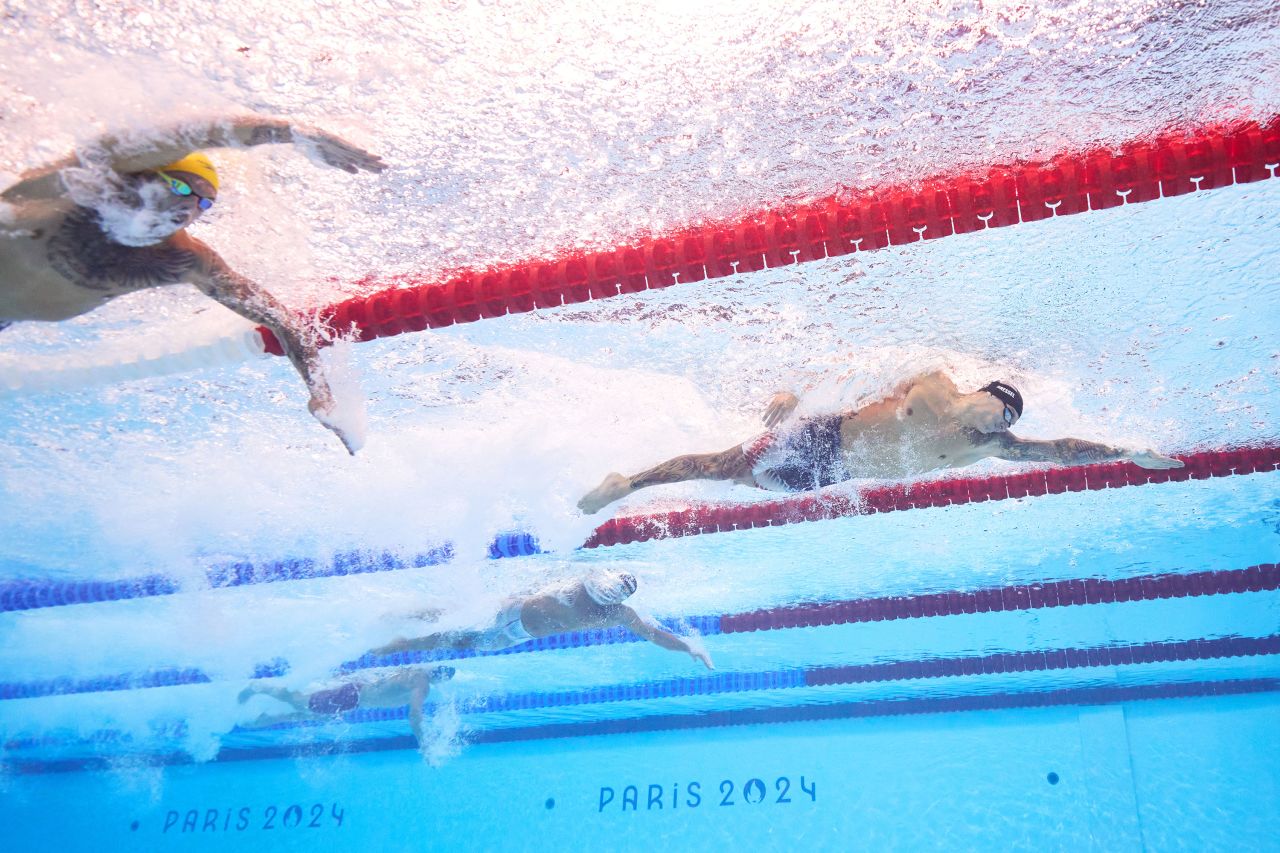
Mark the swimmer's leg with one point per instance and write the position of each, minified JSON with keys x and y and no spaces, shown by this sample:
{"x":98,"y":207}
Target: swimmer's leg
{"x":731,"y":464}
{"x":458,"y":640}
{"x":266,"y":720}
{"x":293,"y":698}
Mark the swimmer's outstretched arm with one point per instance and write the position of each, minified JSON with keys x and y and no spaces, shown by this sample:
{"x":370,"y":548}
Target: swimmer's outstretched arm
{"x":455,"y":640}
{"x":265,"y":721}
{"x":166,"y":145}
{"x":647,"y":630}
{"x":1074,"y":451}
{"x":248,"y":299}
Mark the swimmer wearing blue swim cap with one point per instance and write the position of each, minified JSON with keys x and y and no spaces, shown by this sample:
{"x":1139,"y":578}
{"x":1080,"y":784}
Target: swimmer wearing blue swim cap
{"x":113,"y":221}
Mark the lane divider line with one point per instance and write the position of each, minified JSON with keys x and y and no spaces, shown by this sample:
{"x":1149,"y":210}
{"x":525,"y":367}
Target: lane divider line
{"x":1042,"y":660}
{"x":1177,"y":163}
{"x":708,"y":518}
{"x":718,"y":518}
{"x":1033,"y":596}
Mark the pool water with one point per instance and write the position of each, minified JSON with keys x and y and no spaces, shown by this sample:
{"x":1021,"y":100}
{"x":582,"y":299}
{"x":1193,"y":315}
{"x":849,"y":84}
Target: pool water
{"x":1096,"y":668}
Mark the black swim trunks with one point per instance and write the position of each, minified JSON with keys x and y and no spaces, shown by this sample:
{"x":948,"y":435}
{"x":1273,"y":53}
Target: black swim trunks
{"x":801,"y":457}
{"x":339,"y":700}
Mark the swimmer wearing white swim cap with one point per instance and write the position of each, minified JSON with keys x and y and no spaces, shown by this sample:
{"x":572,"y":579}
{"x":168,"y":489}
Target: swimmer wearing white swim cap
{"x":80,"y":232}
{"x":593,"y":602}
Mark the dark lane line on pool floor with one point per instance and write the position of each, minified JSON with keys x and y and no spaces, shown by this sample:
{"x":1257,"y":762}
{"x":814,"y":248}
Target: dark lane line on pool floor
{"x":1070,"y":696}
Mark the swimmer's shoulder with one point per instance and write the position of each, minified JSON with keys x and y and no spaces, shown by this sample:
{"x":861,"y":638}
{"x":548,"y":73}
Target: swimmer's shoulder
{"x":934,"y":381}
{"x":41,"y":184}
{"x":34,"y":213}
{"x":184,"y":242}
{"x":931,"y":390}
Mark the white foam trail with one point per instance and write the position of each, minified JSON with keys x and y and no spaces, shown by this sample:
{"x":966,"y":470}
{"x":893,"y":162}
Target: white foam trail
{"x":348,"y":412}
{"x":109,"y":365}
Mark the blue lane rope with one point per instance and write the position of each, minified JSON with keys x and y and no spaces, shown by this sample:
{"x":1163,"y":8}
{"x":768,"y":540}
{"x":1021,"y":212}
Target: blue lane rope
{"x":1256,"y":578}
{"x":171,"y":677}
{"x":731,"y":682}
{"x":704,"y":625}
{"x":1040,"y":660}
{"x":33,"y":594}
{"x":19,"y":595}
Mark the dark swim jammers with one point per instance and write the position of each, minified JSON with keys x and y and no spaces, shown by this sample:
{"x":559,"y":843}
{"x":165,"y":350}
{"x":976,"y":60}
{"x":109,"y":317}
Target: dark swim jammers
{"x":803,"y":457}
{"x":339,"y":700}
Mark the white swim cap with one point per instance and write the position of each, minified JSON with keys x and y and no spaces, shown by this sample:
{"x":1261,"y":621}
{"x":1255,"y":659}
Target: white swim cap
{"x":606,"y":588}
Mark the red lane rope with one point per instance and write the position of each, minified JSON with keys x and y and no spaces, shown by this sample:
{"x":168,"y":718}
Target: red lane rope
{"x":1137,"y":171}
{"x":997,"y":599}
{"x":717,"y":518}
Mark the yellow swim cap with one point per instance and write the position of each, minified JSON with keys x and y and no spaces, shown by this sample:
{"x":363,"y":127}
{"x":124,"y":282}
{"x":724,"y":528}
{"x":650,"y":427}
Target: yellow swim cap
{"x":195,"y":164}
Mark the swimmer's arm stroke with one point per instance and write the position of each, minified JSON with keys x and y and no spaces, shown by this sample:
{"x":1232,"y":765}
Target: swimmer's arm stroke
{"x":1073,"y":451}
{"x":165,"y":146}
{"x":783,"y":403}
{"x":646,"y":629}
{"x":161,"y":147}
{"x":42,"y":184}
{"x":248,"y":299}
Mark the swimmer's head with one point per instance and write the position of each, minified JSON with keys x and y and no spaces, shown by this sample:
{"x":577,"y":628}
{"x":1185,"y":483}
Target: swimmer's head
{"x":195,"y":164}
{"x":995,"y":407}
{"x":607,"y":588}
{"x":158,"y":203}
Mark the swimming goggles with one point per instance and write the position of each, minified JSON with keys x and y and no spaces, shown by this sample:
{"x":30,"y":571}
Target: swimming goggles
{"x":1009,"y":415}
{"x":182,"y":188}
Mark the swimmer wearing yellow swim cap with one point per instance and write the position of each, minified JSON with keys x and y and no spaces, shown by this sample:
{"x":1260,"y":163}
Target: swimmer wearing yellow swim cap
{"x":194,"y":164}
{"x":75,"y":250}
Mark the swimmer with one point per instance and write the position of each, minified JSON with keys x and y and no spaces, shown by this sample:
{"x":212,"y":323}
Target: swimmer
{"x":60,"y":258}
{"x":925,"y":425}
{"x":594,"y":602}
{"x":407,"y":687}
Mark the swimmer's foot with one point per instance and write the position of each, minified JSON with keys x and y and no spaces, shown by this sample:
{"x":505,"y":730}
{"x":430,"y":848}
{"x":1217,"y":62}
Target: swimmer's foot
{"x":248,"y":693}
{"x":614,"y":487}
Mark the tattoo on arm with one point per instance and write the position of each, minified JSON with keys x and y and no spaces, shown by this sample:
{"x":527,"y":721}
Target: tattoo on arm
{"x":729,"y":465}
{"x":1068,"y":451}
{"x":252,"y":302}
{"x":269,"y":134}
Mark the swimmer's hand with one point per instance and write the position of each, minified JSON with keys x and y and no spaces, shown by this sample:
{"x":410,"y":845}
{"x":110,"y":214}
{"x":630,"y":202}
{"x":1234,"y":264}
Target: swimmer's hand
{"x":322,"y":409}
{"x":779,"y":408}
{"x":336,"y":152}
{"x":701,"y":655}
{"x":1155,"y":461}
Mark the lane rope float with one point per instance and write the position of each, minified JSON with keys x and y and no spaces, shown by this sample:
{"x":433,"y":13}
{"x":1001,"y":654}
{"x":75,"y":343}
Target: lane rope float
{"x":698,"y":520}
